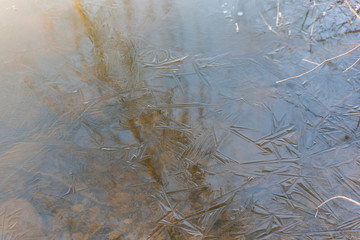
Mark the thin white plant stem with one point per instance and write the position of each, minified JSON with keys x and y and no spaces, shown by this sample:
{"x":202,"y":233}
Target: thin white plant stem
{"x":343,"y":197}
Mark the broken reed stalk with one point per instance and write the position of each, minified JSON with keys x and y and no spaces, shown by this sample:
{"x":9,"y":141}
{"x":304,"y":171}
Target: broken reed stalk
{"x":312,"y":27}
{"x":330,"y":59}
{"x":346,"y":198}
{"x":267,"y":24}
{"x":325,"y":61}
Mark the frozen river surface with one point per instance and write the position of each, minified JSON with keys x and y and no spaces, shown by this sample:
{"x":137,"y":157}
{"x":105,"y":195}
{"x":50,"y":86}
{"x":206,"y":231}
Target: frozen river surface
{"x":163,"y":119}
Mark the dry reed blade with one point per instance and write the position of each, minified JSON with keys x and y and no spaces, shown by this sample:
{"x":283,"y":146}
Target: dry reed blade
{"x":352,"y":65}
{"x":342,"y":197}
{"x":322,"y":63}
{"x":352,"y":10}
